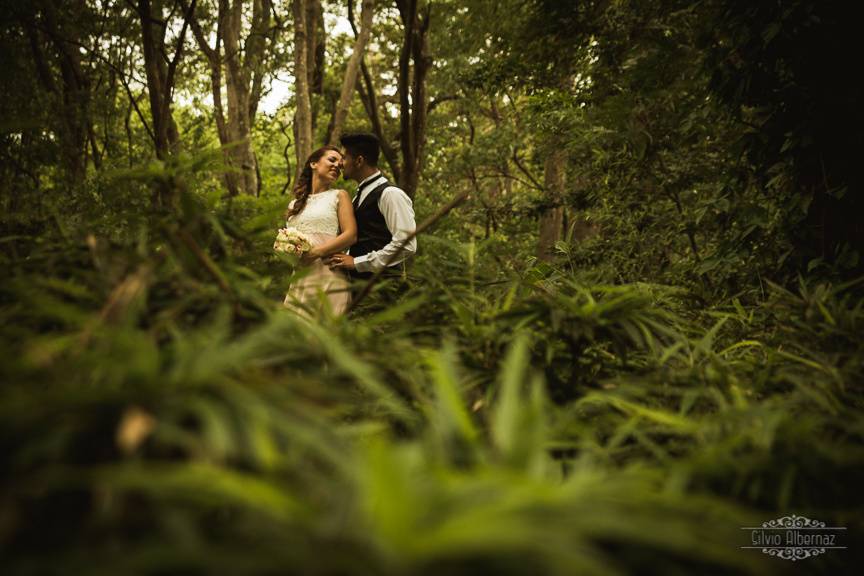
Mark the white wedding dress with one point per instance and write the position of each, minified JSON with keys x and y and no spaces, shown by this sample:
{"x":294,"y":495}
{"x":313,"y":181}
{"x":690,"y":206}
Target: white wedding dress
{"x":320,"y":287}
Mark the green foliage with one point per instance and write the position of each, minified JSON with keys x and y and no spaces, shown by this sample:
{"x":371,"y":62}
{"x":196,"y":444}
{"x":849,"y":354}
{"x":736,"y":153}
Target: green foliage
{"x":778,"y":68}
{"x":687,"y":363}
{"x":161,"y":413}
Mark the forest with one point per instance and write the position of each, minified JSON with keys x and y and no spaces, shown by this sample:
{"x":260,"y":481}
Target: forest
{"x":632,"y":331}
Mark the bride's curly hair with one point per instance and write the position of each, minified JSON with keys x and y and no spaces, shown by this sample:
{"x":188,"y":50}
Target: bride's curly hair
{"x":303,"y":186}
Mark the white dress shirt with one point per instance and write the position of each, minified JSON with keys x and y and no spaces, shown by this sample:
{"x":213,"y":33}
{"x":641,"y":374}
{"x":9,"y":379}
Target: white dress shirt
{"x":398,"y":212}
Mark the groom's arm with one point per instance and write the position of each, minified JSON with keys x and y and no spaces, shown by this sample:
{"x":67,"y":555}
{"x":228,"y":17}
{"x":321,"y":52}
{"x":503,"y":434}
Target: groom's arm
{"x":398,"y":213}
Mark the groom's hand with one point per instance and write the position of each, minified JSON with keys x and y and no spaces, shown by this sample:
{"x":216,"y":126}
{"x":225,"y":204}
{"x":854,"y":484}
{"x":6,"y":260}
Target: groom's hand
{"x":341,"y":262}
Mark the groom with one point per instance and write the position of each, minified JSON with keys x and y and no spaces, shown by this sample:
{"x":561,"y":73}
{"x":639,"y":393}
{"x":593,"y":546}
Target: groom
{"x":385,"y":214}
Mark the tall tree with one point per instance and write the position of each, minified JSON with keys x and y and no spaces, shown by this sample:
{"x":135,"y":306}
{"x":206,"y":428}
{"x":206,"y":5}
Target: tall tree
{"x":161,"y":71}
{"x":303,"y":114}
{"x":243,"y":63}
{"x":55,"y":41}
{"x":368,"y":95}
{"x":316,"y":49}
{"x":415,"y":62}
{"x":552,"y":215}
{"x":350,"y":80}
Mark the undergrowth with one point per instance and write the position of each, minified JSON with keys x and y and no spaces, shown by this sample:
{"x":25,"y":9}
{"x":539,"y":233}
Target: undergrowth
{"x":161,"y":413}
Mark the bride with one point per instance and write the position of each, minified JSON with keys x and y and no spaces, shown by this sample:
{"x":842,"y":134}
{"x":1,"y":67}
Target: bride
{"x":326,"y":217}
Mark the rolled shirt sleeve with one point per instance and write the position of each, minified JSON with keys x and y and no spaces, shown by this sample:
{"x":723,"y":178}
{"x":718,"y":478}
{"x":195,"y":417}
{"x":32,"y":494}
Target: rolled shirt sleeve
{"x":398,"y":213}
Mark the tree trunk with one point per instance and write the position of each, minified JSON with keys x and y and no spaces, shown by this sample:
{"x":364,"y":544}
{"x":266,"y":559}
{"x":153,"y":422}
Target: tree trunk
{"x":303,"y":115}
{"x":243,"y":86}
{"x":366,"y":90}
{"x":413,"y":100}
{"x":161,"y":70}
{"x":350,"y":79}
{"x":256,"y":49}
{"x":160,"y":74}
{"x":316,"y":44}
{"x":552,"y":218}
{"x":72,"y":90}
{"x":214,"y":58}
{"x":238,"y":83}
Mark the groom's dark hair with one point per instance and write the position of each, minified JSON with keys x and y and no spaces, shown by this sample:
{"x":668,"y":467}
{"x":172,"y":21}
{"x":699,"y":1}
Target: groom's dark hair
{"x":362,"y":144}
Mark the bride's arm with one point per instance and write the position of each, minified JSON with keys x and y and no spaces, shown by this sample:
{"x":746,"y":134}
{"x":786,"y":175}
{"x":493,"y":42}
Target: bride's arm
{"x":347,"y":225}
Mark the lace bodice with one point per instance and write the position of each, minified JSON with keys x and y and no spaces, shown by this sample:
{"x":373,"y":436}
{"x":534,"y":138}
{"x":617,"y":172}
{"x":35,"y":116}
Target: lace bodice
{"x":320,"y":214}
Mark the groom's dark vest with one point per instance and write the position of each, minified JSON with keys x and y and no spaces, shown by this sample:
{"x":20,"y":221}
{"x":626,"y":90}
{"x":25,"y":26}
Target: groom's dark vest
{"x":372,"y":231}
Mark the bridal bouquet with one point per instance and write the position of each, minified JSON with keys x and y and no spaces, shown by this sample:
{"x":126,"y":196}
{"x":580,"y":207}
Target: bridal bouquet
{"x":291,"y":241}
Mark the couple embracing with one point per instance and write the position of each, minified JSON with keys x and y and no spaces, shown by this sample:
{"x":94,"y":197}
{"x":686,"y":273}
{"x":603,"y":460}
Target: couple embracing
{"x":342,"y":237}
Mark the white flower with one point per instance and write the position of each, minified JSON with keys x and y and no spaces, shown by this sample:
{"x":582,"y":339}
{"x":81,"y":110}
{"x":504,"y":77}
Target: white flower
{"x":291,"y":241}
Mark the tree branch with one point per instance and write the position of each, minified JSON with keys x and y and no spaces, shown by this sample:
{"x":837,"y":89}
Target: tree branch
{"x":122,"y":76}
{"x":518,"y":162}
{"x":172,"y":66}
{"x":370,"y":103}
{"x":435,"y":102}
{"x":498,"y":173}
{"x":340,"y":115}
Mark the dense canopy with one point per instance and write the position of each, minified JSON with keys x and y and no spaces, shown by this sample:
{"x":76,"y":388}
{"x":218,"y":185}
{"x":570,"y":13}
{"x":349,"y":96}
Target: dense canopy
{"x":633,"y":324}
